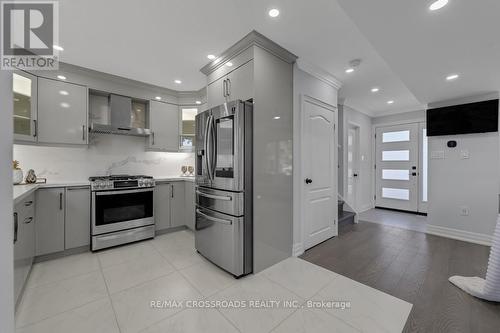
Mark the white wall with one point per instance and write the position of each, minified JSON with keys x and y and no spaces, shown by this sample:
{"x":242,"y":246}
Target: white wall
{"x":304,"y":84}
{"x":456,"y":182}
{"x":365,"y":178}
{"x":107,"y":154}
{"x":6,"y":203}
{"x":400,"y":118}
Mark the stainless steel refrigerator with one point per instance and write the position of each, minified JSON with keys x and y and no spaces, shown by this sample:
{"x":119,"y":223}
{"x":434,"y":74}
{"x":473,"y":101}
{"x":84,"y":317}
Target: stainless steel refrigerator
{"x":223,"y":229}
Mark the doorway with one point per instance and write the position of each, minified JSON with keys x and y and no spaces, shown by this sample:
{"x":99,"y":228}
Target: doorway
{"x":401,"y":167}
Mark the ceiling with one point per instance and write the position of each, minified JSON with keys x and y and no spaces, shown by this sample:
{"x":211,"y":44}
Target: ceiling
{"x":406,"y":51}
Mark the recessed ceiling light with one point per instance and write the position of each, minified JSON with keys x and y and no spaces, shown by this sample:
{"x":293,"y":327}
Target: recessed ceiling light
{"x":349,"y":70}
{"x":277,"y":117}
{"x":64,"y":105}
{"x":57,"y":47}
{"x":61,"y":77}
{"x":178,"y":81}
{"x":229,"y":64}
{"x":63,"y":92}
{"x":390,"y":102}
{"x":198,"y":102}
{"x":438,"y":4}
{"x":452,"y":77}
{"x":274,"y":12}
{"x":158,"y":98}
{"x":211,"y":57}
{"x":374,"y":90}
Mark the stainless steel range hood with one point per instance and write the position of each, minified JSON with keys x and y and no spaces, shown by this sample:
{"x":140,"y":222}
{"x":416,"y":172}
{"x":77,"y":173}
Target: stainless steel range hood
{"x":121,"y":119}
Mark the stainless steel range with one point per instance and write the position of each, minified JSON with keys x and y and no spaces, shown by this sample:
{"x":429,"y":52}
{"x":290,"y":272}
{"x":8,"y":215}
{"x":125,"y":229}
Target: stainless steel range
{"x":122,"y":210}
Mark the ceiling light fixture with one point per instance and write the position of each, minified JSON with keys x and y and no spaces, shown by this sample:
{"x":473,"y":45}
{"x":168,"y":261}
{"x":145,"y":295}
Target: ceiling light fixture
{"x":277,"y":117}
{"x":438,"y":4}
{"x":374,"y":90}
{"x":63,"y":92}
{"x":452,"y":77}
{"x":211,"y":56}
{"x":158,"y":98}
{"x":352,"y":65}
{"x":57,"y":47}
{"x":198,"y":102}
{"x":274,"y":12}
{"x":229,"y":64}
{"x":178,"y":81}
{"x":349,"y":70}
{"x":390,"y":102}
{"x":61,"y":77}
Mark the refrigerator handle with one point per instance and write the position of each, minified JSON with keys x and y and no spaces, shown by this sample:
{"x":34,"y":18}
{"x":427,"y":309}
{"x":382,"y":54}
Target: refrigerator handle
{"x":213,"y":148}
{"x":207,"y":146}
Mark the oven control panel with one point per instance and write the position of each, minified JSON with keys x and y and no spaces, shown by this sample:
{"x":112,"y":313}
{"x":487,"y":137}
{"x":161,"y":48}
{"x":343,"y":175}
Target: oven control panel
{"x":110,"y":184}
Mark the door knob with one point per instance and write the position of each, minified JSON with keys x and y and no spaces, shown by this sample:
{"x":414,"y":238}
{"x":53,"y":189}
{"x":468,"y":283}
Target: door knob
{"x":309,"y":180}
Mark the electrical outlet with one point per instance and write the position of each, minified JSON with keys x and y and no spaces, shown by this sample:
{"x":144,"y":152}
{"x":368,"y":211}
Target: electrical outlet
{"x":464,"y":211}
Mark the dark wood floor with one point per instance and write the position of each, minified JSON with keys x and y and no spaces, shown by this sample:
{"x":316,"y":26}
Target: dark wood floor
{"x":415,"y":267}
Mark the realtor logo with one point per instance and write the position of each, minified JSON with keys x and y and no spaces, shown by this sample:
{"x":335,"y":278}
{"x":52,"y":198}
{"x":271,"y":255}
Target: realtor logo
{"x":29,"y":31}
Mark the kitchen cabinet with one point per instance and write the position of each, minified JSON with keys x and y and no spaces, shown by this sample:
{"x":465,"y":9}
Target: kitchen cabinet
{"x":24,"y":242}
{"x":62,"y":113}
{"x":177,"y":204}
{"x":190,"y":204}
{"x":238,"y":84}
{"x":77,"y":217}
{"x":164,"y":124}
{"x":162,"y":196}
{"x":50,"y":208}
{"x":24,"y":87}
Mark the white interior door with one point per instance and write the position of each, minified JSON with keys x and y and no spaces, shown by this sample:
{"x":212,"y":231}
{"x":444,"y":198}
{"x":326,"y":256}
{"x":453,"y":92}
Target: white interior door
{"x":352,"y":165}
{"x":319,"y":172}
{"x":397,"y":150}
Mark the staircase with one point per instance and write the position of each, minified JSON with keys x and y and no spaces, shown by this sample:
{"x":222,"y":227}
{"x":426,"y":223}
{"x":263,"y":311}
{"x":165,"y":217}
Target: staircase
{"x":345,"y":217}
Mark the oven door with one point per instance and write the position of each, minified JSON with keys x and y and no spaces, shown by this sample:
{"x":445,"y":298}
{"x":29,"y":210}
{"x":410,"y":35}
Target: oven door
{"x":122,"y":209}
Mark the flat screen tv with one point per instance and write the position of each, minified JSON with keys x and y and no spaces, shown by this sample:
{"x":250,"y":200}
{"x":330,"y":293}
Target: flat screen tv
{"x":480,"y":117}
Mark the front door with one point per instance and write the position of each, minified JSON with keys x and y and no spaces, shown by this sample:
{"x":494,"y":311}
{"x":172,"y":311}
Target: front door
{"x":397,"y":167}
{"x":319,"y":171}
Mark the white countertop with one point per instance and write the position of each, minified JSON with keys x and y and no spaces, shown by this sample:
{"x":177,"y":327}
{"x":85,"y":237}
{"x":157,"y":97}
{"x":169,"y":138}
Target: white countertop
{"x":22,"y":191}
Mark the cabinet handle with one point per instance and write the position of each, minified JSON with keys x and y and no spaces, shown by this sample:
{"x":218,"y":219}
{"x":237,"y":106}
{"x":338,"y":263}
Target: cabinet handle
{"x":35,"y":126}
{"x":153,"y":138}
{"x":224,"y":88}
{"x":83,"y":132}
{"x":228,"y":87}
{"x":28,"y":220}
{"x":28,"y":203}
{"x":16,"y":227}
{"x":60,"y":201}
{"x":77,"y":188}
{"x":172,"y":192}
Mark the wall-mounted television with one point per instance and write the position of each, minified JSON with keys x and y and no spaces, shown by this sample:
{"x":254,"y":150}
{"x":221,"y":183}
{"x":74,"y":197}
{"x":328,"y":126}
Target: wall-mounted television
{"x":480,"y":117}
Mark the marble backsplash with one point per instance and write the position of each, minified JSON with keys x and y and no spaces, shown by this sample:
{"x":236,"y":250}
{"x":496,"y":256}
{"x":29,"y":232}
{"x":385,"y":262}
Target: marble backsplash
{"x":107,"y":154}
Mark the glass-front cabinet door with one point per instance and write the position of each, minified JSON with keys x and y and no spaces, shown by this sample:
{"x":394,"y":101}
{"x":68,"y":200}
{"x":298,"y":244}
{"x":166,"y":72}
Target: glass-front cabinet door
{"x":188,"y":127}
{"x":24,"y":87}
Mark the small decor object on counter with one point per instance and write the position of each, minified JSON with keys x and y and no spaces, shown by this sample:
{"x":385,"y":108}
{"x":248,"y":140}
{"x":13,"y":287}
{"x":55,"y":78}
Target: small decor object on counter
{"x":17,"y":176}
{"x":31,"y":177}
{"x":191,"y":170}
{"x":184,"y":169}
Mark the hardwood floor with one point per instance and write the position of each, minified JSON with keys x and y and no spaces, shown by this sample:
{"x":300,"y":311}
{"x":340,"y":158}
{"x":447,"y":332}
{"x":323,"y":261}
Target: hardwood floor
{"x":415,"y":267}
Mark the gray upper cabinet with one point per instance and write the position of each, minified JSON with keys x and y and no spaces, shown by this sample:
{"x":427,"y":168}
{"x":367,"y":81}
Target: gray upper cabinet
{"x":24,"y":87}
{"x":77,"y":222}
{"x":238,"y":84}
{"x":50,"y":208}
{"x":177,"y":204}
{"x":162,"y":196}
{"x":164,"y":123}
{"x":62,"y":113}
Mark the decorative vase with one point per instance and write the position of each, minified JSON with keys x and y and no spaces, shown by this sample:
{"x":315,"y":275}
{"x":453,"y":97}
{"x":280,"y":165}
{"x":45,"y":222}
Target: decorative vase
{"x":31,"y":177}
{"x":17,"y":176}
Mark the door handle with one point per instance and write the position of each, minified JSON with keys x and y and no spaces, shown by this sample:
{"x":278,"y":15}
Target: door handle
{"x":214,"y":219}
{"x":309,"y":180}
{"x":355,"y":175}
{"x":413,"y":173}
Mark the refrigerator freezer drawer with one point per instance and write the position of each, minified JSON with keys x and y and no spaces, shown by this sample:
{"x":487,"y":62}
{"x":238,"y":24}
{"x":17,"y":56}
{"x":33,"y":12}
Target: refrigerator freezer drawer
{"x":220,"y":239}
{"x":231,"y":203}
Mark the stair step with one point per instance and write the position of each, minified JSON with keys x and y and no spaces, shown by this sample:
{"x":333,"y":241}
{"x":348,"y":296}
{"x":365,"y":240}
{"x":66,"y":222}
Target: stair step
{"x":340,"y":204}
{"x":346,"y":217}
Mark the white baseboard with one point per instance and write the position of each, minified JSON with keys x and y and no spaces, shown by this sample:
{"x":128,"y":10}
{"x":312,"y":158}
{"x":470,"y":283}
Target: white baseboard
{"x":462,"y":235}
{"x":365,"y":208}
{"x":298,"y":249}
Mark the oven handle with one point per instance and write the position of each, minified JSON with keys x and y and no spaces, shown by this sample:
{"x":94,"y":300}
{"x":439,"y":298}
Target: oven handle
{"x":150,"y":189}
{"x":214,"y":219}
{"x":211,"y":196}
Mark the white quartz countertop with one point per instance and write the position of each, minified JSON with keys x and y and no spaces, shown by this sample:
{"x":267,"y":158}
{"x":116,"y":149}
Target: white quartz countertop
{"x":22,"y":191}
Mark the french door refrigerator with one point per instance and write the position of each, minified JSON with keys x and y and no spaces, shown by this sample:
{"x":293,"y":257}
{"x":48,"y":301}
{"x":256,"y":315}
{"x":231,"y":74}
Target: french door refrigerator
{"x":223,"y":228}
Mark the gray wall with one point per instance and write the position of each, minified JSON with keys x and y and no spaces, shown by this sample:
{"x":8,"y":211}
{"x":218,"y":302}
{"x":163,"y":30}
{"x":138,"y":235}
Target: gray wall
{"x":6,"y":203}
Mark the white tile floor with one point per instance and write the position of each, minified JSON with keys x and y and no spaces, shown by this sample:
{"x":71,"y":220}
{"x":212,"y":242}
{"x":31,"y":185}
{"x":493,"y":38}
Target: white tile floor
{"x":391,"y":218}
{"x":111,"y":291}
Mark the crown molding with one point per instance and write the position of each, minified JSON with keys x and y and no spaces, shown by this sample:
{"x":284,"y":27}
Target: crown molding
{"x":319,"y":73}
{"x":254,"y":38}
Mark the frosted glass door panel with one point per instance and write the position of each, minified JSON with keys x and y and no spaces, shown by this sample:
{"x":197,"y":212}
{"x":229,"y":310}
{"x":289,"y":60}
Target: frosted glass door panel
{"x":396,"y":155}
{"x":395,"y":136}
{"x":396,"y":193}
{"x":389,"y":174}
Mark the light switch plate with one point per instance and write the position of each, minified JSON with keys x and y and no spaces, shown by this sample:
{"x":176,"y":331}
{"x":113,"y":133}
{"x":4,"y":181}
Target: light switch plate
{"x":437,"y":155}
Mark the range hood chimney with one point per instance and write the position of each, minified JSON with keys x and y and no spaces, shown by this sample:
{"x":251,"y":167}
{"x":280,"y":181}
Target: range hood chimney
{"x":121,"y":119}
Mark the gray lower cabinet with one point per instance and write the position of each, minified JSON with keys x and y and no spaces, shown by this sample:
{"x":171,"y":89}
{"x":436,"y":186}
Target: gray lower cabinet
{"x":162,"y":196}
{"x":50,"y":209}
{"x":77,"y":221}
{"x":24,"y":242}
{"x":190,"y":205}
{"x":177,"y":204}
